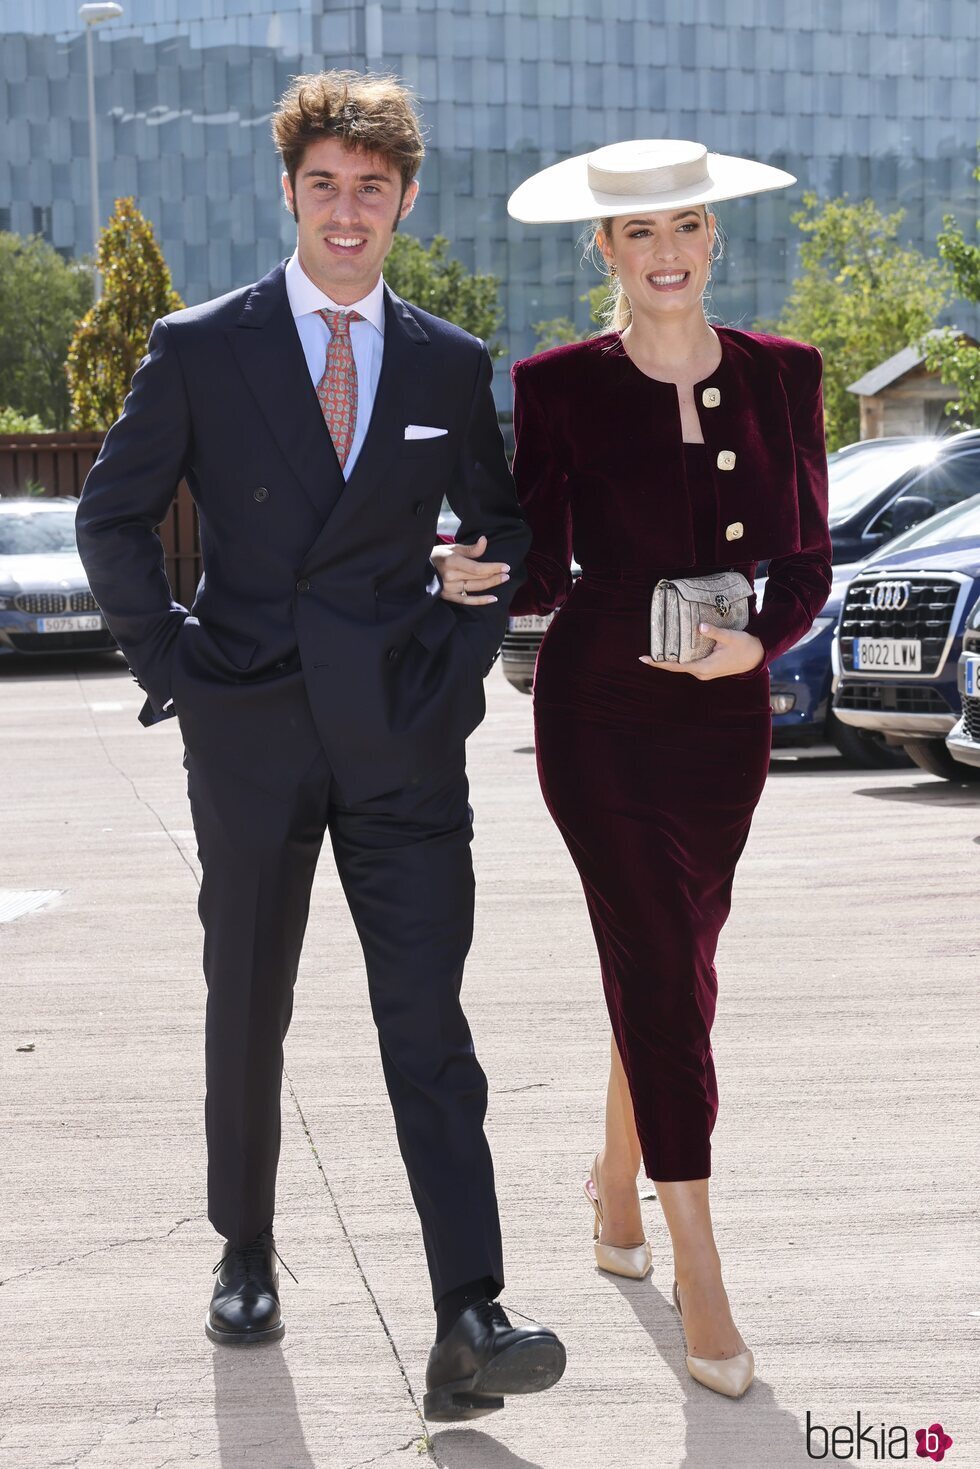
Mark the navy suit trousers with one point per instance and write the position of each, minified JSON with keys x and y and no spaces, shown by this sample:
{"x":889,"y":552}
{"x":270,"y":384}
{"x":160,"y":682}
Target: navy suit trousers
{"x":405,"y":865}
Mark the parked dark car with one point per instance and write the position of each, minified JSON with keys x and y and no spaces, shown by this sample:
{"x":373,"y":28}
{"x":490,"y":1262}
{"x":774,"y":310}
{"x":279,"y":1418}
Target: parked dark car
{"x":963,"y":740}
{"x":46,"y":605}
{"x":900,"y":635}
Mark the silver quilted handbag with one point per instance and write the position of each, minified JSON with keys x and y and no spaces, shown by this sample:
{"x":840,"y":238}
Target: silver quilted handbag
{"x":679,"y":606}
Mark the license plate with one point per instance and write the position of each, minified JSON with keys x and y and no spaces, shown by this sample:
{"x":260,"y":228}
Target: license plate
{"x":893,"y":655}
{"x":530,"y":623}
{"x":971,"y":677}
{"x":70,"y":624}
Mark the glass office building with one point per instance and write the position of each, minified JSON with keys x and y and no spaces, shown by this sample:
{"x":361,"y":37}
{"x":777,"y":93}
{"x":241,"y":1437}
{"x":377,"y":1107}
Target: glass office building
{"x":865,"y":97}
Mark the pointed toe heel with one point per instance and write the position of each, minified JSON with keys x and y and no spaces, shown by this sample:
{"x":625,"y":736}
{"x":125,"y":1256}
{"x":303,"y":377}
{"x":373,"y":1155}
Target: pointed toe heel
{"x":730,"y":1376}
{"x":633,"y":1261}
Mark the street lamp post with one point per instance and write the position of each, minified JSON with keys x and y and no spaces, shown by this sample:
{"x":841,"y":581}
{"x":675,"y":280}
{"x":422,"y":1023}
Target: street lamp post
{"x":93,"y":15}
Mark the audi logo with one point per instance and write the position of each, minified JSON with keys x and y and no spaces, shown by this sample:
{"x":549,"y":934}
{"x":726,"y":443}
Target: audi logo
{"x":890,"y":596}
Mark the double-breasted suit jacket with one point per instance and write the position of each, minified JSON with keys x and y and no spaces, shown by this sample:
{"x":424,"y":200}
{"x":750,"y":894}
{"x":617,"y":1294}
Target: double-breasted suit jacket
{"x":312,"y":586}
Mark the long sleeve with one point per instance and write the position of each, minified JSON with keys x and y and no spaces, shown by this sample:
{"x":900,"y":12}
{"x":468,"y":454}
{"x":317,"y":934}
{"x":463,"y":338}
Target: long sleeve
{"x":798,"y":585}
{"x":542,"y":488}
{"x":482,"y":495}
{"x":125,"y":497}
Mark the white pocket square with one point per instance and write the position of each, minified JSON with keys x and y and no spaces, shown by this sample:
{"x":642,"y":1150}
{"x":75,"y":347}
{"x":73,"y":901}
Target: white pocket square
{"x":423,"y":431}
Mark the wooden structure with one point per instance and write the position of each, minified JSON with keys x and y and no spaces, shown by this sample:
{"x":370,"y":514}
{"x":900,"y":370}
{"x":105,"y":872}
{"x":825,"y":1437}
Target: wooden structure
{"x":900,"y":397}
{"x":57,"y":463}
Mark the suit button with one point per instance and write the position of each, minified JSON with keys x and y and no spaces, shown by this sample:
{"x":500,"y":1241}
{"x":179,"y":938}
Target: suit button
{"x":735,"y":531}
{"x":711,"y":397}
{"x":302,"y":585}
{"x":392,"y":654}
{"x":260,"y":495}
{"x":726,"y":459}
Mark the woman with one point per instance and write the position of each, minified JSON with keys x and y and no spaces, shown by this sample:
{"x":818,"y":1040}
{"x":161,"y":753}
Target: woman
{"x":663,"y":447}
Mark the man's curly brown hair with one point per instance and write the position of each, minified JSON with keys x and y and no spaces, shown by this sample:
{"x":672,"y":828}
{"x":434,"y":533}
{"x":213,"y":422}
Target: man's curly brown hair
{"x":374,"y":113}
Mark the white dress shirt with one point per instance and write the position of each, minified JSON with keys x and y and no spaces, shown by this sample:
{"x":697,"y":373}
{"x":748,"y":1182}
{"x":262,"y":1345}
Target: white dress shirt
{"x":367,"y":339}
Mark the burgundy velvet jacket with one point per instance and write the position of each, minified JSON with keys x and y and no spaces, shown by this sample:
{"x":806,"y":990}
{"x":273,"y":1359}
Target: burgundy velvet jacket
{"x":587,"y":422}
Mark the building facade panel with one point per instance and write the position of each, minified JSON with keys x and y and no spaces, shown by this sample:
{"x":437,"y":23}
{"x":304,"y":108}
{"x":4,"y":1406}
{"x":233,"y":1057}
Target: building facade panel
{"x":870,"y":97}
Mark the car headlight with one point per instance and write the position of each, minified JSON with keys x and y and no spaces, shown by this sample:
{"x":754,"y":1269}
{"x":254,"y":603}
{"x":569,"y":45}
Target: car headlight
{"x":820,"y":625}
{"x":6,"y":602}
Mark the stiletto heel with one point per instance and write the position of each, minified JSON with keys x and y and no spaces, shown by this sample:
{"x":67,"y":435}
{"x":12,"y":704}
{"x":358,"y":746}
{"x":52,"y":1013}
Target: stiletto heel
{"x":633,"y":1261}
{"x":730,"y":1376}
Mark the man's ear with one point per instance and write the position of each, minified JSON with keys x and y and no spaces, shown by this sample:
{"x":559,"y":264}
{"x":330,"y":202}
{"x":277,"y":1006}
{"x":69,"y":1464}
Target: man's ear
{"x":408,"y":202}
{"x":287,"y":194}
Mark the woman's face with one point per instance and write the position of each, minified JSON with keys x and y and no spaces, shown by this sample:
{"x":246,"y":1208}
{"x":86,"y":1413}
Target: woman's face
{"x":662,"y":260}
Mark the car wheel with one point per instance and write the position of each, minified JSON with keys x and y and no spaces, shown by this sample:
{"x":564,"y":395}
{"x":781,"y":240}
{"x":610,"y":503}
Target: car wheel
{"x":865,"y":748}
{"x":933,"y":757}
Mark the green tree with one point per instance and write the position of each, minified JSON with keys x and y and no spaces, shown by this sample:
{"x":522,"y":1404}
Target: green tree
{"x":42,"y":298}
{"x":12,"y":421}
{"x":429,"y":278}
{"x":561,"y":329}
{"x":956,"y":360}
{"x":111,"y":337}
{"x":860,"y":297}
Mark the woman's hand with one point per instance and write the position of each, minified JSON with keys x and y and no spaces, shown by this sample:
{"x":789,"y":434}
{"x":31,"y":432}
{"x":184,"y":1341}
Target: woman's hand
{"x":465,"y":579}
{"x":734,"y":652}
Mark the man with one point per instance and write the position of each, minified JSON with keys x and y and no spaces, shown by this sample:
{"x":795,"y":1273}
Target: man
{"x":320,"y":686}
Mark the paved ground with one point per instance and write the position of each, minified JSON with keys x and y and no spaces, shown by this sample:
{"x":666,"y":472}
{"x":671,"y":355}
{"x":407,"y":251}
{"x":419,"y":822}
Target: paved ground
{"x":846,"y":1046}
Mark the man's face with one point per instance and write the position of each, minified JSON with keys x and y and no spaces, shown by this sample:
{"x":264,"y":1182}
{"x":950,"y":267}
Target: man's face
{"x":346,"y":204}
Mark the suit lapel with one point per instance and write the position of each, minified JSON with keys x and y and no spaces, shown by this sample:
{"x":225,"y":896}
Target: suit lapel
{"x":401,"y":366}
{"x":270,"y":356}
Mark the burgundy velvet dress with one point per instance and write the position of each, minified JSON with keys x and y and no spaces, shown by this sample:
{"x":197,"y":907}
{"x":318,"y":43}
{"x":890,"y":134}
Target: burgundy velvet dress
{"x":652,"y":777}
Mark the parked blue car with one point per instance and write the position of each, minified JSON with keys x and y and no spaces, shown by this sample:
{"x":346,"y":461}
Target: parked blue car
{"x":878,"y":489}
{"x":900,"y":637}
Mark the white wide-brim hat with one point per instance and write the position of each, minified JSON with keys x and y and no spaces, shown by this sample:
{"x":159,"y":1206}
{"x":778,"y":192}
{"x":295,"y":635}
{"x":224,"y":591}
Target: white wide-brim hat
{"x":645,"y":175}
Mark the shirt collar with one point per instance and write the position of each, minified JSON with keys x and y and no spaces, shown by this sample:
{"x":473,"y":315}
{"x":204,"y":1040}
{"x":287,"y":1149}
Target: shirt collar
{"x":305,"y":297}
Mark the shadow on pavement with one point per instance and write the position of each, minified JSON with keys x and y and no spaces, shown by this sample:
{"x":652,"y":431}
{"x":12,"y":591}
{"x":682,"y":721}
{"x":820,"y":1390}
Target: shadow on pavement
{"x":754,"y":1429}
{"x":255,"y":1409}
{"x":467,"y":1448}
{"x":25,"y":667}
{"x":936,"y":792}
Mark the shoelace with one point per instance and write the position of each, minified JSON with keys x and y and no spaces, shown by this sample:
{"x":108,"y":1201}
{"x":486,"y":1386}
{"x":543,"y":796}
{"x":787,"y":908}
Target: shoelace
{"x":253,"y":1254}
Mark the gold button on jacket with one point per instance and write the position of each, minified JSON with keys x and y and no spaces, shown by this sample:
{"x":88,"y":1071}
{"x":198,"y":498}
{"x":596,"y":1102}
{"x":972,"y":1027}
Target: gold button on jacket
{"x":726,"y":459}
{"x":711,"y":397}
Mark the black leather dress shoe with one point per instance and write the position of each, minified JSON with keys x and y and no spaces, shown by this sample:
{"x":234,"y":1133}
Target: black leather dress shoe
{"x":482,"y":1358}
{"x":245,"y":1304}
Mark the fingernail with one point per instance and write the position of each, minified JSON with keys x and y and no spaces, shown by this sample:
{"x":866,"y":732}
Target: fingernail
{"x":505,"y":577}
{"x":506,"y":568}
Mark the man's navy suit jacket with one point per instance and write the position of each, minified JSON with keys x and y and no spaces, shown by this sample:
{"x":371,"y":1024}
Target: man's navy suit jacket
{"x":315,"y":591}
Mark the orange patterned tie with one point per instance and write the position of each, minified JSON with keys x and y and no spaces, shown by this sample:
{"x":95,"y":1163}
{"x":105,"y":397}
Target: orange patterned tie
{"x":337,"y":389}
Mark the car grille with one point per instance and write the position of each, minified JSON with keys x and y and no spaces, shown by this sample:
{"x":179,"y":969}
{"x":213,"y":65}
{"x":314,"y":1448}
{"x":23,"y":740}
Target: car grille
{"x":895,"y":698}
{"x":927,"y":616}
{"x":971,"y":719}
{"x":40,"y":603}
{"x":61,"y":642}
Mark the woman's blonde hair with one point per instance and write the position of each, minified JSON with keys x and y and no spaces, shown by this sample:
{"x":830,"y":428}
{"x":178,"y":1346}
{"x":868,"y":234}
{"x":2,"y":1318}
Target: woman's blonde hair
{"x":617,"y":312}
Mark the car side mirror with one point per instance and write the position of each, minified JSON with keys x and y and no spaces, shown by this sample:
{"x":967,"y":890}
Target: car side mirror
{"x":909,"y":510}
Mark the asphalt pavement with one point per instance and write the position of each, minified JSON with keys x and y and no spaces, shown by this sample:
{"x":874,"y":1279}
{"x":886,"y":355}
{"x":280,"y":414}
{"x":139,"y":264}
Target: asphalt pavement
{"x":845,"y":1149}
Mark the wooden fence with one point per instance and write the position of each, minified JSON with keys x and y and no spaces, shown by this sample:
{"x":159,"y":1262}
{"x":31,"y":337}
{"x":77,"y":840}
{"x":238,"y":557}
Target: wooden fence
{"x":57,"y":463}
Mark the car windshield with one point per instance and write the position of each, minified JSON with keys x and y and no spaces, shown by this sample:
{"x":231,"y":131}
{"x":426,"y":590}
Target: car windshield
{"x":958,"y":523}
{"x":37,"y":533}
{"x":857,"y":476}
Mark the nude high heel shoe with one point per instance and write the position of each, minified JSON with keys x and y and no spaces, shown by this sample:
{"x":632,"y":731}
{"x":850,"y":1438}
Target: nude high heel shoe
{"x":728,"y":1375}
{"x":633,"y":1261}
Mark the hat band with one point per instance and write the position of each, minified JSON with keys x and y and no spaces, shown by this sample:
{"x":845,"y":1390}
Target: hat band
{"x":665,"y":179}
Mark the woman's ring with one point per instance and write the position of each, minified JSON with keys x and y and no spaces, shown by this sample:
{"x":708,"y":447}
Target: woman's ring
{"x":463,"y":592}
